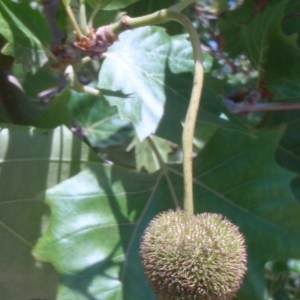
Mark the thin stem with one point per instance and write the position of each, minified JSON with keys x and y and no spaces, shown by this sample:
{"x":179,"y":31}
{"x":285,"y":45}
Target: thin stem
{"x":192,"y":112}
{"x":73,"y":81}
{"x":178,"y":7}
{"x":164,"y":169}
{"x":191,"y":116}
{"x":82,"y":18}
{"x":72,"y":19}
{"x":156,"y":152}
{"x":94,"y":13}
{"x":18,"y":236}
{"x":129,"y":23}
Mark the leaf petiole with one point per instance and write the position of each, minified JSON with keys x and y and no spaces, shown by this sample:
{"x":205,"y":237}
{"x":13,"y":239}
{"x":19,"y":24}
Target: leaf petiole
{"x":73,"y":81}
{"x":72,"y":19}
{"x":82,"y":18}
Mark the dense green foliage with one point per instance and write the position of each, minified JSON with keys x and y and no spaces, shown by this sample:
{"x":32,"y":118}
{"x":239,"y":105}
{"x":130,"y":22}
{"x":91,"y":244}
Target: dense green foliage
{"x":80,"y":177}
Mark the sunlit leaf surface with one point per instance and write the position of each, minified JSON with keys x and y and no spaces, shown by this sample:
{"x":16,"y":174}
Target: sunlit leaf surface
{"x":135,"y":68}
{"x":103,"y":202}
{"x":31,"y":160}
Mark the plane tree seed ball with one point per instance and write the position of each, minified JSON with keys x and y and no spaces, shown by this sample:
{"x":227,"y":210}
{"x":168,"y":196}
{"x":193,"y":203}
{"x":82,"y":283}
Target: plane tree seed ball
{"x":193,"y":257}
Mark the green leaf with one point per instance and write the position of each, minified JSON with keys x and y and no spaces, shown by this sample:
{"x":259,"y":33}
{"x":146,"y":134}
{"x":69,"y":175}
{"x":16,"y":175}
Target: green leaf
{"x":31,"y":160}
{"x":235,"y":175}
{"x":110,"y":4}
{"x":99,"y":123}
{"x":57,"y":112}
{"x":92,"y":228}
{"x":281,"y":66}
{"x":143,"y":67}
{"x":35,"y":83}
{"x":287,"y":153}
{"x":260,"y":36}
{"x":15,"y":105}
{"x":146,"y":158}
{"x":27,"y":34}
{"x":143,"y":7}
{"x":212,"y":115}
{"x":245,"y":29}
{"x":255,"y":197}
{"x":181,"y":56}
{"x":135,"y":66}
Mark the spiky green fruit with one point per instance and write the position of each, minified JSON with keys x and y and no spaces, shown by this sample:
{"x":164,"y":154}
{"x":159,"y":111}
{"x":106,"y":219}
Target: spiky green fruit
{"x":193,"y":257}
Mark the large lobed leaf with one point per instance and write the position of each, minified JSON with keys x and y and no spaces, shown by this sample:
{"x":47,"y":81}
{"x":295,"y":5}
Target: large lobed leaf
{"x":31,"y":160}
{"x":98,"y":216}
{"x":135,"y":66}
{"x":147,"y":76}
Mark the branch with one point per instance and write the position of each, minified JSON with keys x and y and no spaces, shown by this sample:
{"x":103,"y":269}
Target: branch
{"x":247,"y":107}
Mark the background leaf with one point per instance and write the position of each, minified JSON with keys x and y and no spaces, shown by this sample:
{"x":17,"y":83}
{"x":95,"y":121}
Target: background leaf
{"x":26,"y":32}
{"x":56,"y":113}
{"x":235,"y":175}
{"x":98,"y":122}
{"x":111,"y":4}
{"x":287,"y":153}
{"x":31,"y":160}
{"x":258,"y":33}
